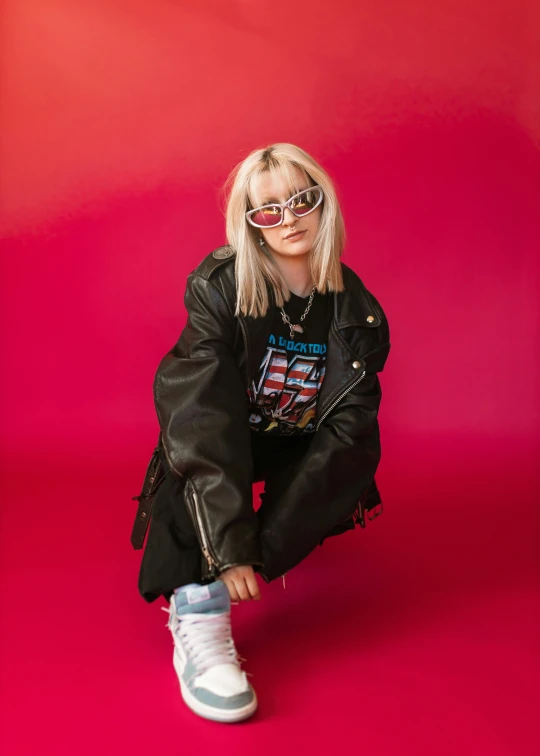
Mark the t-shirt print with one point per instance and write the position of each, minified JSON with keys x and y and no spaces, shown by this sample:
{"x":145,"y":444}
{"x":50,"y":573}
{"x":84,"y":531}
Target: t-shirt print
{"x":283,"y":396}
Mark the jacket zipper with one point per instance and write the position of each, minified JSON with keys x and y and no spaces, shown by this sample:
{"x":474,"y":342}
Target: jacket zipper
{"x":204,"y":540}
{"x":339,"y":399}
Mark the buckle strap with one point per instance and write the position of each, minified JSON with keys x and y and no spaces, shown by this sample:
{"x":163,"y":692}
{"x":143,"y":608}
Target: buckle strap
{"x":153,"y":478}
{"x":370,"y":504}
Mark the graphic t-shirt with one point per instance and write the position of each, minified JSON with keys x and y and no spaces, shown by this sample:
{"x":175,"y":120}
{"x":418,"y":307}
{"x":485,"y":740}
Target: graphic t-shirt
{"x":283,"y":396}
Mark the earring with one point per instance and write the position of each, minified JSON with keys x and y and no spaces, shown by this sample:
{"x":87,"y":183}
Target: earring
{"x":261,"y":241}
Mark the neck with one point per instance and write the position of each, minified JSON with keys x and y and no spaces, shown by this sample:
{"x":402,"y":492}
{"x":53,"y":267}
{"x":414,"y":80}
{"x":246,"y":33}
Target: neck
{"x":295,"y":272}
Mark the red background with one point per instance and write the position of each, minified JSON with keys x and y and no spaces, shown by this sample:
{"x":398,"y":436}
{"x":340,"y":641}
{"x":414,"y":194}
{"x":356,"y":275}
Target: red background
{"x":120,"y":123}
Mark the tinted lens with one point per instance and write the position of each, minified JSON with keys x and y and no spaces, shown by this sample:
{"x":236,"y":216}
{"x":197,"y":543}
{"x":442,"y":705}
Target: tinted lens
{"x":306,"y":201}
{"x":267,"y":216}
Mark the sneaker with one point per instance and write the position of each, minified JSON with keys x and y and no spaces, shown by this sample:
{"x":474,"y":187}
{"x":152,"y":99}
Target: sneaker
{"x":205,"y":658}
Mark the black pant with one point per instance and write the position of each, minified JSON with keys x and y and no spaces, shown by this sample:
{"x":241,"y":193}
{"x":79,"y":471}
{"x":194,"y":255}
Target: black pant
{"x":172,"y":556}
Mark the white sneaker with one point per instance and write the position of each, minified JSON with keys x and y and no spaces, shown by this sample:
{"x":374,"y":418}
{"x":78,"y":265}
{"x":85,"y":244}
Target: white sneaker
{"x":205,"y":658}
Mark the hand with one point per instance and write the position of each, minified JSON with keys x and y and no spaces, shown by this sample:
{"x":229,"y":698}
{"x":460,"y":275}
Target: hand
{"x":241,"y":583}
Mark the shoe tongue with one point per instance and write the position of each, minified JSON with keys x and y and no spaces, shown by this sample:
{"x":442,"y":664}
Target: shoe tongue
{"x":193,"y":599}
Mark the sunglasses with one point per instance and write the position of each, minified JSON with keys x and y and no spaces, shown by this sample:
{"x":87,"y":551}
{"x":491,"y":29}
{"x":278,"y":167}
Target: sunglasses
{"x":299,"y":204}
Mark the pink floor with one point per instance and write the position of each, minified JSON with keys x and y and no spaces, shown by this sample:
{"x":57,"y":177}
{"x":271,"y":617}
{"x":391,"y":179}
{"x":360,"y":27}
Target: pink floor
{"x":416,"y":635}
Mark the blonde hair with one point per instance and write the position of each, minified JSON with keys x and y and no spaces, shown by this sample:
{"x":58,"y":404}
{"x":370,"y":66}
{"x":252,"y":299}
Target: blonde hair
{"x":254,"y":266}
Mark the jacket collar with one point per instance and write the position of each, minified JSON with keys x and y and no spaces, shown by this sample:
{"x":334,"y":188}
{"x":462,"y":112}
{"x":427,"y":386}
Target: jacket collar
{"x":353,"y":307}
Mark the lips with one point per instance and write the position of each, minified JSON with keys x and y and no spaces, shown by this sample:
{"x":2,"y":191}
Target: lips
{"x":297,"y":234}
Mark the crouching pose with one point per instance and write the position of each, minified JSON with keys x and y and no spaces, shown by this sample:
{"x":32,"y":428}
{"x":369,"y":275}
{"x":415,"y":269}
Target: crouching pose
{"x":274,"y":379}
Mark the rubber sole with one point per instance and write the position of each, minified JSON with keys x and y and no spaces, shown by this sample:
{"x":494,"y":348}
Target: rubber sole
{"x":207,"y":711}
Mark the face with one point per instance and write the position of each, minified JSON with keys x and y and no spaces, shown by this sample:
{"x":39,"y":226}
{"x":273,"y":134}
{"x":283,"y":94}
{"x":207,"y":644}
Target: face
{"x":273,"y":188}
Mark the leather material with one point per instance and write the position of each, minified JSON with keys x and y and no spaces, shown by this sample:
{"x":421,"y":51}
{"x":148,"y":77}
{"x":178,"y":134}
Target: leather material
{"x":201,"y":403}
{"x":152,"y":480}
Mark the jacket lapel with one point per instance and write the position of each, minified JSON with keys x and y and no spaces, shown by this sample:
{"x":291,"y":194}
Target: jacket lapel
{"x":352,"y":310}
{"x":340,"y":356}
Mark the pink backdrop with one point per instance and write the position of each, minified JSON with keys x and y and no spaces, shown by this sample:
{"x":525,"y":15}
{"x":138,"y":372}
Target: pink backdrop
{"x":120,"y":122}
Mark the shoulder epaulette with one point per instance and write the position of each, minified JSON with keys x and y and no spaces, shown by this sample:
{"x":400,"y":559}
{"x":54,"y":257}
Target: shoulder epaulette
{"x":214,"y":260}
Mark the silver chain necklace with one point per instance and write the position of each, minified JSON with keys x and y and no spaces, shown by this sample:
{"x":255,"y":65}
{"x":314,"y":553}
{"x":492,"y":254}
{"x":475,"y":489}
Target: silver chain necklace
{"x":298,"y":327}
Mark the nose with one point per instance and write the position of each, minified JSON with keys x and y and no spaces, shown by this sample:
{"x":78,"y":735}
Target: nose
{"x":289,"y":218}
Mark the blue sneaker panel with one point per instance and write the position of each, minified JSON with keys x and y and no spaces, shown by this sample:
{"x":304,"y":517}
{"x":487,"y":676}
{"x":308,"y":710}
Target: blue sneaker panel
{"x":213,"y":699}
{"x":222,"y":702}
{"x":189,"y":671}
{"x":195,"y":598}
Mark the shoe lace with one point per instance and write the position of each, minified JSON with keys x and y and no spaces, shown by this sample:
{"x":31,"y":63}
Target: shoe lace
{"x":208,"y":639}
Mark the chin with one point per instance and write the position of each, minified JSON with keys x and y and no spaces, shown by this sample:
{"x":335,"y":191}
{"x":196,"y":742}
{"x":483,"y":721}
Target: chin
{"x":299,"y":249}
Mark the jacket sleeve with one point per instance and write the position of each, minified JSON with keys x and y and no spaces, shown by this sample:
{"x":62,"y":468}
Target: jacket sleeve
{"x":202,"y":410}
{"x":336,"y":472}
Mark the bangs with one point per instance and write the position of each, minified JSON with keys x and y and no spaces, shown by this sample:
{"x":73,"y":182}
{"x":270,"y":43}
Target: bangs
{"x":280,"y":169}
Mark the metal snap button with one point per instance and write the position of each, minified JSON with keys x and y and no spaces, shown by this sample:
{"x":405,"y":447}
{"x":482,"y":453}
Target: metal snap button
{"x":356,"y":365}
{"x":370,"y":318}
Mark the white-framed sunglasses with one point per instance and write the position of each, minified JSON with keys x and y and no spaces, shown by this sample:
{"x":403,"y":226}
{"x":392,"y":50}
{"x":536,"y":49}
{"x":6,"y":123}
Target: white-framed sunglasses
{"x":299,"y":204}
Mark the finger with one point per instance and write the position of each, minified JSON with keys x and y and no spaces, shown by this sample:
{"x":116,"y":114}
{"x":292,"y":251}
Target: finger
{"x":242,"y":589}
{"x":253,"y":587}
{"x":232,"y":589}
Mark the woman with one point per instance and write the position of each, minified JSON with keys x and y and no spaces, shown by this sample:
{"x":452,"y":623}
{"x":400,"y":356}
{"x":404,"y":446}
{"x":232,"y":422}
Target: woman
{"x":273,"y":378}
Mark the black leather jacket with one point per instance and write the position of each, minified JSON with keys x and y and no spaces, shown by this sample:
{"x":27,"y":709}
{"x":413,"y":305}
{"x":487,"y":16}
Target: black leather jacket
{"x":201,"y":402}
